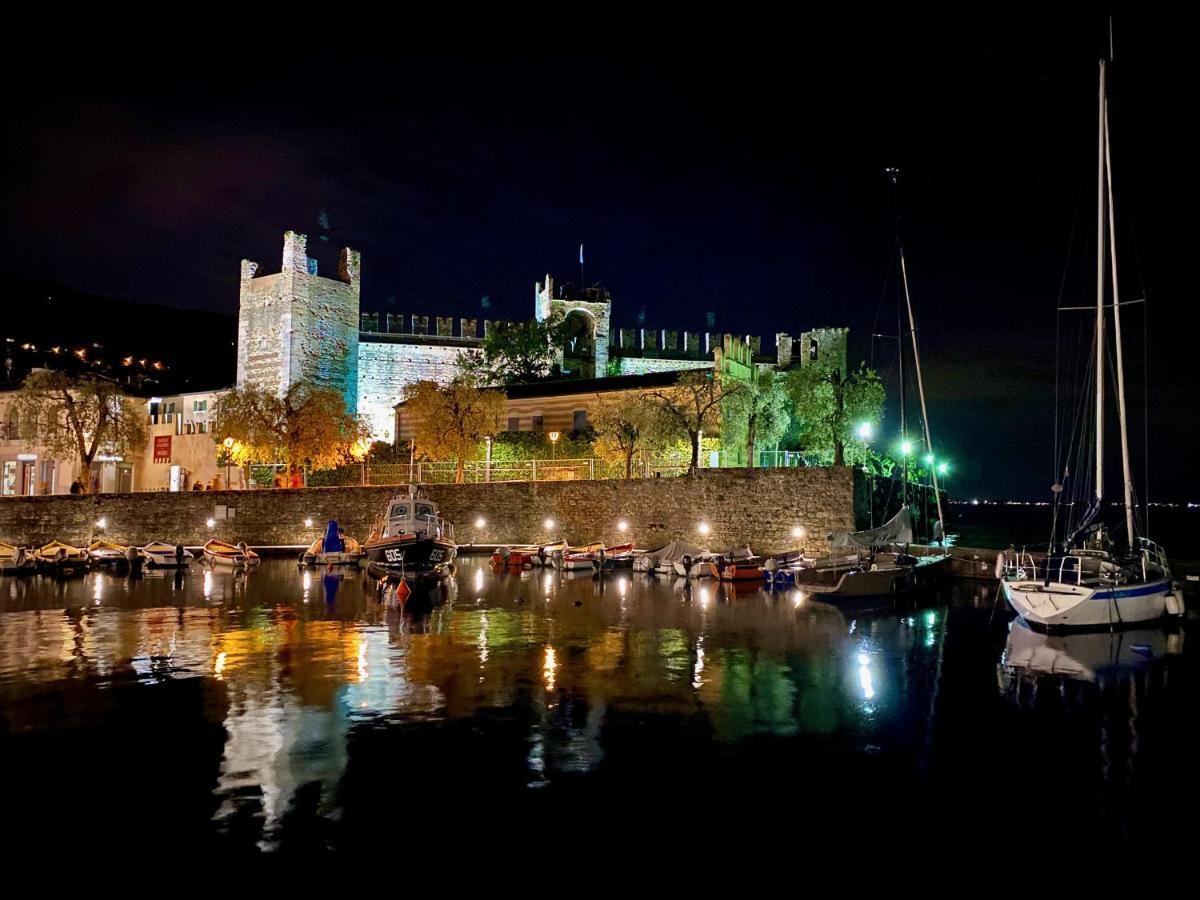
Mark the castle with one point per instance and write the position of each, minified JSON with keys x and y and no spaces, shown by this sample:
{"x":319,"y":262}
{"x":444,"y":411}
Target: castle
{"x":299,"y":325}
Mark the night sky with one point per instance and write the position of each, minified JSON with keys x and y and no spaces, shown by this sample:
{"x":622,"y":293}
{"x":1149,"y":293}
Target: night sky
{"x":736,"y":172}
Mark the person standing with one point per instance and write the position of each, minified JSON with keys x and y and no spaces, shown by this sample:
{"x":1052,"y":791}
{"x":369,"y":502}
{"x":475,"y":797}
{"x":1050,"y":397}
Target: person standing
{"x":76,"y":487}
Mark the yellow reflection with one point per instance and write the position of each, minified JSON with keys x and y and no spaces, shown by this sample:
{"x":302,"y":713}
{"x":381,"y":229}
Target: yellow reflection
{"x":307,"y":585}
{"x":98,"y":590}
{"x":622,"y":586}
{"x":549,"y":667}
{"x":363,"y":674}
{"x":482,"y":642}
{"x":479,"y":579}
{"x":208,"y":584}
{"x":219,"y":665}
{"x":548,"y":582}
{"x":798,"y":598}
{"x":697,"y":681}
{"x":704,"y":598}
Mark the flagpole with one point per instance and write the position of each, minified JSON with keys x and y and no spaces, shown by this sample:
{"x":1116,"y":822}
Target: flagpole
{"x":581,"y":281}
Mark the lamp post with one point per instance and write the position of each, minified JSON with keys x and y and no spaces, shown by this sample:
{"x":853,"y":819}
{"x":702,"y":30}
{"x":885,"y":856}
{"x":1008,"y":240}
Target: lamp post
{"x":228,"y":449}
{"x":554,"y":435}
{"x":487,"y":461}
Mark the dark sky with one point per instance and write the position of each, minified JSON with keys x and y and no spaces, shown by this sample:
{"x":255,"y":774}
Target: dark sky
{"x":736,"y":171}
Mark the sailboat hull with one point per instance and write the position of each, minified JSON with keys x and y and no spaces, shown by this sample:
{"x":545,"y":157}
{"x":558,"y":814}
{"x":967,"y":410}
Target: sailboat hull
{"x":1054,"y":605}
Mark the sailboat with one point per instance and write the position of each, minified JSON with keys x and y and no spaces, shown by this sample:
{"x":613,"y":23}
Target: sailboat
{"x":1085,"y":581}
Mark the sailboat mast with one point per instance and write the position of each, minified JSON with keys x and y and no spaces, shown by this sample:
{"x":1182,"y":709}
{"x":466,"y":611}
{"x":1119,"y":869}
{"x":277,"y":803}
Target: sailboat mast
{"x":912,"y":329}
{"x":1100,"y":254}
{"x":1112,"y":243}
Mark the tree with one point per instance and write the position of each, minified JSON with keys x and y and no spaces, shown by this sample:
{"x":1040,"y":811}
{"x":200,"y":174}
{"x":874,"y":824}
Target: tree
{"x":80,"y":416}
{"x":308,"y":425}
{"x":758,"y":415}
{"x":451,"y":420}
{"x":625,"y":425}
{"x":515,"y":353}
{"x":831,"y":406}
{"x":692,"y":405}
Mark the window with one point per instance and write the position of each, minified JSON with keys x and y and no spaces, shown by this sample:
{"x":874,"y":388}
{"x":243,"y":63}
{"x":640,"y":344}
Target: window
{"x":813,"y":348}
{"x":199,"y":406}
{"x":580,"y":419}
{"x":399,"y":511}
{"x":537,"y":423}
{"x":514,"y":423}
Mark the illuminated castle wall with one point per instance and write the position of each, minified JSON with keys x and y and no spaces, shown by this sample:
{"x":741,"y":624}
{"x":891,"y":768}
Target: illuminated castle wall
{"x":297,"y":325}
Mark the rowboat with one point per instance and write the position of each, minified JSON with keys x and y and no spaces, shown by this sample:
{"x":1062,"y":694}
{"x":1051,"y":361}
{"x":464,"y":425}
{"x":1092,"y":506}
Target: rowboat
{"x":235,"y":556}
{"x":110,"y":554}
{"x":161,"y":555}
{"x":15,"y":560}
{"x":57,"y":558}
{"x":579,"y":557}
{"x":333,"y":549}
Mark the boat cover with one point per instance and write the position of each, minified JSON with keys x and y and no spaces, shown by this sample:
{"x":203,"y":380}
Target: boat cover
{"x":333,"y":540}
{"x":897,"y":530}
{"x":673,"y":551}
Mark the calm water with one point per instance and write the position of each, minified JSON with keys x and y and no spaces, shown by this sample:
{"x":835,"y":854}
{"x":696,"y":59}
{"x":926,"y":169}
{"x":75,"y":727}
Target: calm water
{"x":288,"y":711}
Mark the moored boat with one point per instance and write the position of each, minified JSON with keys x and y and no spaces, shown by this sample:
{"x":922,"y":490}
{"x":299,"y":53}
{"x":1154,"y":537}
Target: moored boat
{"x":162,"y":555}
{"x":15,"y":560}
{"x":410,"y":540}
{"x":1088,"y":581}
{"x":111,"y":555}
{"x":333,"y":549}
{"x":234,"y":556}
{"x":57,"y":558}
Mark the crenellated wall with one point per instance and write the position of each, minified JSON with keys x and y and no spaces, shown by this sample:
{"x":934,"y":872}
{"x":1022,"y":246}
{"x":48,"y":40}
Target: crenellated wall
{"x":385,"y":369}
{"x":755,"y":506}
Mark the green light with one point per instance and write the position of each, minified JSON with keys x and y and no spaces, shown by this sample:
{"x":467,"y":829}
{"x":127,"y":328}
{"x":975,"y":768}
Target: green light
{"x":906,"y":448}
{"x":943,"y":468}
{"x":864,"y":431}
{"x":929,"y":459}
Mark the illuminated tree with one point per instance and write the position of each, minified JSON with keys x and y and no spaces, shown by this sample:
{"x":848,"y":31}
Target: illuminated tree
{"x":81,"y":417}
{"x":308,"y":425}
{"x":515,"y":353}
{"x":626,"y":425}
{"x":450,"y":420}
{"x":757,"y":416}
{"x":831,"y":406}
{"x":692,"y":406}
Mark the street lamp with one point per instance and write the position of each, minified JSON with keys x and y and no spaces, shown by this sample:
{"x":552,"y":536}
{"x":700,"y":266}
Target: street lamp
{"x":864,"y":431}
{"x":554,"y":436}
{"x":228,"y":449}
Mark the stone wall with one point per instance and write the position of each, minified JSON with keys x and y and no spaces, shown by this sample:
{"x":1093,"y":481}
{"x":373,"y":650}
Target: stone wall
{"x":385,"y":369}
{"x":296,"y":325}
{"x":640,"y":365}
{"x":759,"y":506}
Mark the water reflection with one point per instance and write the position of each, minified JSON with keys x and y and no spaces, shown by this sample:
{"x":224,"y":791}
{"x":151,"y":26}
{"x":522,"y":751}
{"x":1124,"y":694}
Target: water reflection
{"x":543,"y":679}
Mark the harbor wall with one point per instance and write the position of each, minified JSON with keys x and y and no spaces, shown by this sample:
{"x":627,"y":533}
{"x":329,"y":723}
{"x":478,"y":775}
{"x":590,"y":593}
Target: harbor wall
{"x":755,"y":506}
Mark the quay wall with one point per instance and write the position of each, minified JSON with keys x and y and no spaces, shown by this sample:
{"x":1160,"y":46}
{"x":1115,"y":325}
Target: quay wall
{"x":755,"y":506}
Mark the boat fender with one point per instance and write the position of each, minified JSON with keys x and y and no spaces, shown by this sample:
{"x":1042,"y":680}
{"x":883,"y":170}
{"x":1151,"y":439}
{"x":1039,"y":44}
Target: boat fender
{"x":1175,"y":604}
{"x":999,"y":564}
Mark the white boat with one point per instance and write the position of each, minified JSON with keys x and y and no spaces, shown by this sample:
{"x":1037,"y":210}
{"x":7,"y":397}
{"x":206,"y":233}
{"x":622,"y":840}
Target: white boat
{"x":233,"y":556}
{"x":1087,"y":582}
{"x":703,"y":565}
{"x":162,"y":555}
{"x":333,"y":549}
{"x":1084,"y":656}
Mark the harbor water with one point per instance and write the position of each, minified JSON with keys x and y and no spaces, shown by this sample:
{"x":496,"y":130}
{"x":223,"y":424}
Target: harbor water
{"x":303,"y":710}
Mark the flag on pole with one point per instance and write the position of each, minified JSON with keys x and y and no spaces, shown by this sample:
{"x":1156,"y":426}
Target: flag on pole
{"x":581,"y":254}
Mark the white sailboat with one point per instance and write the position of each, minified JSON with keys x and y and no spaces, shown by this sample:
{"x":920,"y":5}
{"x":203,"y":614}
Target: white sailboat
{"x":1086,"y":583}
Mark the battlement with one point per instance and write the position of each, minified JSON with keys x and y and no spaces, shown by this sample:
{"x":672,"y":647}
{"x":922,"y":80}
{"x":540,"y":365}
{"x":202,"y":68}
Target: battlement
{"x":297,"y":261}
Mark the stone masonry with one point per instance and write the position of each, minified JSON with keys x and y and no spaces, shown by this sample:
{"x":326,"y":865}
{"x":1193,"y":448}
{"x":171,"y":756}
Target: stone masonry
{"x":296,"y":325}
{"x":755,"y":506}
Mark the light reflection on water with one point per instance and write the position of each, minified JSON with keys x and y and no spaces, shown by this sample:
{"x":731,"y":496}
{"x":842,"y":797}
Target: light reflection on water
{"x":305,"y":672}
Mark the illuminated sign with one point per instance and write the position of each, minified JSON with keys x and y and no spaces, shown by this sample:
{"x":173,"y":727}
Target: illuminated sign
{"x":162,"y":448}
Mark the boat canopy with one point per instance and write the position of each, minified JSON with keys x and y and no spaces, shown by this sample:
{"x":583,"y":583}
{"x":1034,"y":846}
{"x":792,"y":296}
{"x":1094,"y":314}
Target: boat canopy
{"x":673,"y":551}
{"x":897,"y":530}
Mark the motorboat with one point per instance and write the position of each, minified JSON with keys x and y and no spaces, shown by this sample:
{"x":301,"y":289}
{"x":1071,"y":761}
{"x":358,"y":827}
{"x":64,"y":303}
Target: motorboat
{"x":163,"y":555}
{"x":334,"y":549}
{"x":410,"y":540}
{"x":16,"y":560}
{"x":58,"y":558}
{"x":232,"y":556}
{"x":111,"y":555}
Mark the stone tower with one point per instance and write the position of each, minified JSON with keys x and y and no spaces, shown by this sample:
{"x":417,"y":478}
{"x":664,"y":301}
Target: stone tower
{"x":297,"y":326}
{"x":824,"y":347}
{"x":593,"y":305}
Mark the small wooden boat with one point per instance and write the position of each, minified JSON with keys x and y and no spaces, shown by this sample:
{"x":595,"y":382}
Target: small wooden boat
{"x":702,"y":565}
{"x":749,"y":569}
{"x":334,"y":549}
{"x":57,"y":558}
{"x":515,"y":557}
{"x":111,"y":555}
{"x":234,"y":556}
{"x":576,"y":556}
{"x":545,"y":554}
{"x":15,"y":560}
{"x":161,"y":555}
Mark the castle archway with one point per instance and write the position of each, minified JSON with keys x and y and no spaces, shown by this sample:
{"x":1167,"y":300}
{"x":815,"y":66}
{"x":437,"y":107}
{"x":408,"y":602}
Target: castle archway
{"x":578,"y":344}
